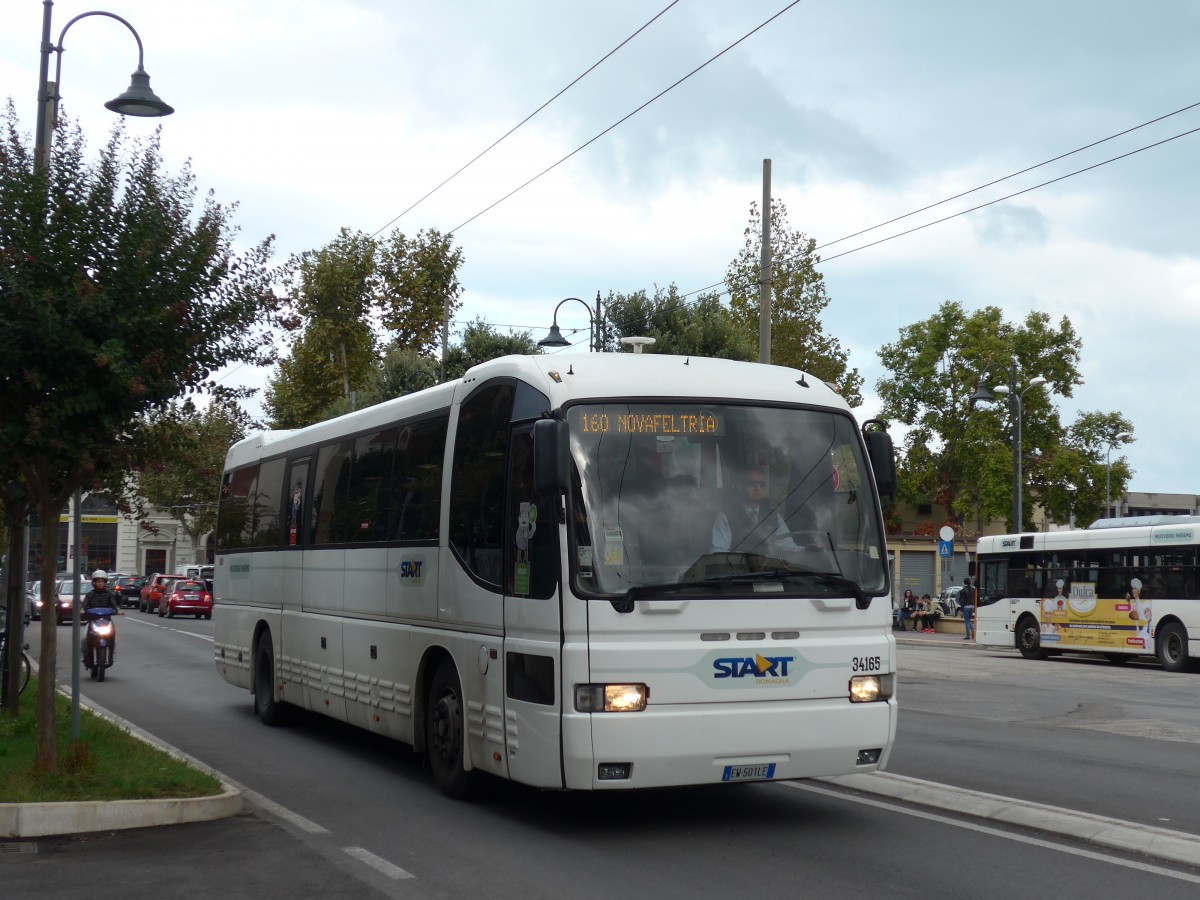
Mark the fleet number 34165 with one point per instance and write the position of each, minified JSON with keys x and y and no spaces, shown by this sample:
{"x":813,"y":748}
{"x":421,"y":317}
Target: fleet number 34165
{"x":865,"y":664}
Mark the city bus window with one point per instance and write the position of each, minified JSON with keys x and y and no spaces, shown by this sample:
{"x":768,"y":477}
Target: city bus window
{"x":370,"y":485}
{"x":330,"y":523}
{"x":266,"y":504}
{"x":417,"y":481}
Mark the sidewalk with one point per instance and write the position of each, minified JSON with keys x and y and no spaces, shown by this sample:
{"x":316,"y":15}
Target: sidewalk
{"x":941,"y":637}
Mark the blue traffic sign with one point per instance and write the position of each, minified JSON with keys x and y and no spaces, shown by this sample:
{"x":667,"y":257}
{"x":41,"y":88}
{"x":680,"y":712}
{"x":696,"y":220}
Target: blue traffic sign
{"x":945,"y":548}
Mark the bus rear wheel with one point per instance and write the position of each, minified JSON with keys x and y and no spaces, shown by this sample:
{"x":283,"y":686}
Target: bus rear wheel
{"x":269,"y":710}
{"x":444,"y":733}
{"x":1029,"y":638}
{"x":1171,"y":648}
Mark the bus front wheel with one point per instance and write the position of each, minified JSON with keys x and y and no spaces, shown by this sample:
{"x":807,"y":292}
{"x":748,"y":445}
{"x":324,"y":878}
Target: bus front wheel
{"x":444,"y":730}
{"x":1029,"y":638}
{"x":1172,"y":647}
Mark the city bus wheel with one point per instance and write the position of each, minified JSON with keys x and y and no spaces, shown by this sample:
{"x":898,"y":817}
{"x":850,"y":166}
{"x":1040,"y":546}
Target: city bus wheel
{"x":1029,"y":638}
{"x":444,"y":731}
{"x":1171,"y":646}
{"x":268,"y":709}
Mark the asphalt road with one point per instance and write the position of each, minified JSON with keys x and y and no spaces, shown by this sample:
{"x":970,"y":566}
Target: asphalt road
{"x":334,"y":812}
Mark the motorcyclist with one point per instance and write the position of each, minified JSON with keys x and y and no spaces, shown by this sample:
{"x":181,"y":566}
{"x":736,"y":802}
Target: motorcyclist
{"x":100,"y":597}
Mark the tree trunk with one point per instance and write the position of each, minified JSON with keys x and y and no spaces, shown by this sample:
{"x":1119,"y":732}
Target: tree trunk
{"x":46,"y":758}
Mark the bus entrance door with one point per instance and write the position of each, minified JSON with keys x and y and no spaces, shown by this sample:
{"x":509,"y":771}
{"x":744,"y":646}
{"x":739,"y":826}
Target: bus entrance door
{"x":533,"y":695}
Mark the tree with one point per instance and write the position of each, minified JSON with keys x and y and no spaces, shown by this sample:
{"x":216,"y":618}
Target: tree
{"x":961,"y":456}
{"x":418,"y":286}
{"x":798,"y":297}
{"x":315,"y":375}
{"x":407,"y":286}
{"x":117,"y":295}
{"x":187,"y":480}
{"x":700,"y":328}
{"x":481,"y":342}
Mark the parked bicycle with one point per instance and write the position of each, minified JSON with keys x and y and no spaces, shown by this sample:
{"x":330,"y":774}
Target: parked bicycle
{"x":25,"y":665}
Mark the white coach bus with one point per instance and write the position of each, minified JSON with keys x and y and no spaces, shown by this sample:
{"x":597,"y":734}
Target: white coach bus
{"x":1121,"y":588}
{"x":588,"y":572}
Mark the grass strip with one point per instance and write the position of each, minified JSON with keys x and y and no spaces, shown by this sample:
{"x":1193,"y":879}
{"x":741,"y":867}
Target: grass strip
{"x":108,"y":763}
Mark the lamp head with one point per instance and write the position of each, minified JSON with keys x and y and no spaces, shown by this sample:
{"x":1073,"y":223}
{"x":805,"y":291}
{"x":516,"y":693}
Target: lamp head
{"x":554,"y":339}
{"x":1123,"y":438}
{"x":139,"y":100}
{"x":1001,"y":389}
{"x":982,"y":395}
{"x":1036,"y":380}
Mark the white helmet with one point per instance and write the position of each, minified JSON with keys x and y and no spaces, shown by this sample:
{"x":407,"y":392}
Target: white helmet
{"x":99,"y":575}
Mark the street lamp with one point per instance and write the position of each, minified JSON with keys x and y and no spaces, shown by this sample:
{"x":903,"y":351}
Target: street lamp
{"x":1123,"y":438}
{"x":555,"y":337}
{"x":137,"y":100}
{"x":1015,"y":392}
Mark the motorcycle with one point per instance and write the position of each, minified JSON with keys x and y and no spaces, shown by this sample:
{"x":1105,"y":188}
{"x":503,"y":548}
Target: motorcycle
{"x":99,"y":641}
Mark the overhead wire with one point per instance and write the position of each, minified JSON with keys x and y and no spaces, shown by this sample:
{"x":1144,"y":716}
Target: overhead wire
{"x":502,"y":137}
{"x":991,"y":183}
{"x":624,"y":118}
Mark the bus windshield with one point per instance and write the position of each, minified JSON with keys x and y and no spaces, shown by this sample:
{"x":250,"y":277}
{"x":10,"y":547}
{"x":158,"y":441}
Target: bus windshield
{"x":707,"y":498}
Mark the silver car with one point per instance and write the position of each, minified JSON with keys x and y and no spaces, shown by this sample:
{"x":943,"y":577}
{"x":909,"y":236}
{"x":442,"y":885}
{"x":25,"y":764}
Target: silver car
{"x":949,"y":600}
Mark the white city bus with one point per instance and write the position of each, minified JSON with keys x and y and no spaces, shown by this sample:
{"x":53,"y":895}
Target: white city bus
{"x":537,"y":572}
{"x":1121,"y":588}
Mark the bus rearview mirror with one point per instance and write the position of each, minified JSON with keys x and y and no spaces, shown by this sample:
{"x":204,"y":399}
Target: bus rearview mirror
{"x":551,"y":457}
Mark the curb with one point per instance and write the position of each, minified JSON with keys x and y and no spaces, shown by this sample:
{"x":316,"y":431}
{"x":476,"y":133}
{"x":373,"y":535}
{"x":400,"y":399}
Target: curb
{"x":21,"y":820}
{"x":1114,"y":834}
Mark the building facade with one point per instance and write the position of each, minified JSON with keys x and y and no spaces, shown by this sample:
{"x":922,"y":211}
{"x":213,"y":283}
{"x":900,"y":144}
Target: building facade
{"x":115,"y":543}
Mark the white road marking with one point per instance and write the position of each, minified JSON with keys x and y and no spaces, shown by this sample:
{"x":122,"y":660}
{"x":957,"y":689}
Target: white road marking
{"x":378,"y":863}
{"x":203,"y":637}
{"x":996,"y":832}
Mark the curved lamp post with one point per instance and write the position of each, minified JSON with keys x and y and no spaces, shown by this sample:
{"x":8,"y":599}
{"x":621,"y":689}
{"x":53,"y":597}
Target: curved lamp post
{"x":555,"y":337}
{"x":137,"y":100}
{"x":1015,"y":391}
{"x":1123,"y":438}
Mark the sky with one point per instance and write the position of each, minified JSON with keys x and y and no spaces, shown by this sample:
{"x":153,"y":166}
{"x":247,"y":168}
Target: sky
{"x":314,"y":115}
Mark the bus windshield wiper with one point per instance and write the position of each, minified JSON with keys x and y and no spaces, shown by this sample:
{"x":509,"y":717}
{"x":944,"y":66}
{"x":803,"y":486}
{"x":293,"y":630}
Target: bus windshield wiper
{"x":625,"y":603}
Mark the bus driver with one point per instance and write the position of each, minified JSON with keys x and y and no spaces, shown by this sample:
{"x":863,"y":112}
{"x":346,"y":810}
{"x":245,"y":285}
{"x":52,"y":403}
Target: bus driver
{"x":749,"y":523}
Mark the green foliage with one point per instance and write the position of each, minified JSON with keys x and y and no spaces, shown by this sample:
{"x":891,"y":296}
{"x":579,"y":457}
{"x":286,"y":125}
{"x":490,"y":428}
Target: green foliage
{"x":798,"y":299}
{"x":118,"y":294}
{"x":106,"y":764}
{"x":186,"y":480}
{"x":961,"y":455}
{"x":418,"y":281}
{"x":481,"y":342}
{"x":313,"y":376}
{"x":700,"y":328}
{"x":408,"y":285}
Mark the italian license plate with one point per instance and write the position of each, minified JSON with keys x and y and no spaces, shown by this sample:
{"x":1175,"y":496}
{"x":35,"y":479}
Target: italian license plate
{"x":763,"y":772}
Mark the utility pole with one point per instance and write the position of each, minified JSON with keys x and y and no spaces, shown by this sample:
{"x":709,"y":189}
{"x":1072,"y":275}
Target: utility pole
{"x":764,"y":271}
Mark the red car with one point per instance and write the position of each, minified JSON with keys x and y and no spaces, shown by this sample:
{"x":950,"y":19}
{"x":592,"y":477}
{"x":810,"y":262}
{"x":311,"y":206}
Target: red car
{"x":187,"y":596}
{"x":152,"y":592}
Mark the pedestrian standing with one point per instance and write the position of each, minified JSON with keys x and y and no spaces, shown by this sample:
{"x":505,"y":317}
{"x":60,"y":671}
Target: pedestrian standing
{"x":966,"y":599}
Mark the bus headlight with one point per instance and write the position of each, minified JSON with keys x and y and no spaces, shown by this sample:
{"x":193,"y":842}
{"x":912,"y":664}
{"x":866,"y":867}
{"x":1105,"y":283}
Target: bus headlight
{"x":869,"y":688}
{"x":611,"y":697}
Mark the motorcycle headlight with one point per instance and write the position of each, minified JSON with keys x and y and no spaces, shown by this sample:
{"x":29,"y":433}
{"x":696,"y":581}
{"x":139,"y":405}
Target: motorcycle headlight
{"x":103,"y":630}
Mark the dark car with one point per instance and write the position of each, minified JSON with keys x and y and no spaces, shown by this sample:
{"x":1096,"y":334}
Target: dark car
{"x":128,"y":589}
{"x":187,"y":596}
